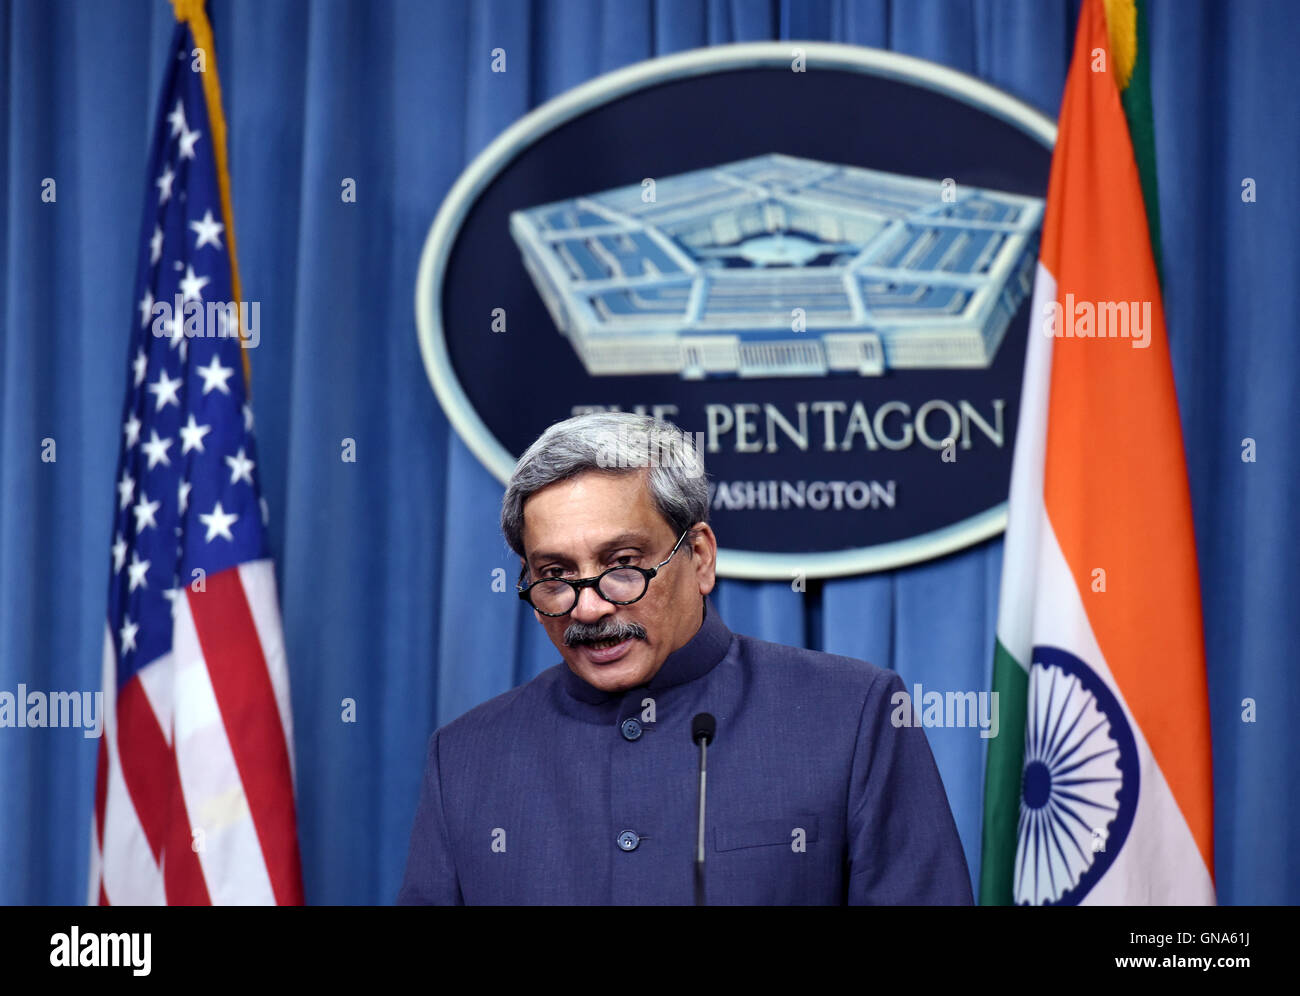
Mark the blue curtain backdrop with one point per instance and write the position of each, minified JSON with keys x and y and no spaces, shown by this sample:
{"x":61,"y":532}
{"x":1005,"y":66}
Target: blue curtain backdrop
{"x":385,"y":565}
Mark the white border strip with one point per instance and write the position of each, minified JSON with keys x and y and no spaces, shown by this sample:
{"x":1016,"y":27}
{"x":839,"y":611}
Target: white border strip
{"x":605,"y":89}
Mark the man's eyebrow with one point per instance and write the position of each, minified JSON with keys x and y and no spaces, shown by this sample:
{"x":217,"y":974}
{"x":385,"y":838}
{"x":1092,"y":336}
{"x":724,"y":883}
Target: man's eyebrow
{"x":637,"y":540}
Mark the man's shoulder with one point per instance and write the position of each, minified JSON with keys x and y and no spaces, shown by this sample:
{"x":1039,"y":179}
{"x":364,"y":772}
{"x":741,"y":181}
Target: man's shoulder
{"x":503,"y":710}
{"x":830,"y":673}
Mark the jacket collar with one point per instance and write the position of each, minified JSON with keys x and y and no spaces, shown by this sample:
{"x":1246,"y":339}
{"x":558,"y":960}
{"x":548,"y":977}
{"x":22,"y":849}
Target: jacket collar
{"x":696,"y":658}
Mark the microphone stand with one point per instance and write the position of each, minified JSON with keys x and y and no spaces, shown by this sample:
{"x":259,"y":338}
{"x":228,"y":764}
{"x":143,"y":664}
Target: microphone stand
{"x":703,"y":727}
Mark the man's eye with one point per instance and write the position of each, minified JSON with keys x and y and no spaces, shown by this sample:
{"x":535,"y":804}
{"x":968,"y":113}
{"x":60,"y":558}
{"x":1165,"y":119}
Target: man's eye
{"x":625,"y":560}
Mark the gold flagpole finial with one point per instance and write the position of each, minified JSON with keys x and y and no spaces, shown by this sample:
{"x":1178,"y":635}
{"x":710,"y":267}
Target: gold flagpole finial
{"x":186,"y":10}
{"x":1121,"y":25}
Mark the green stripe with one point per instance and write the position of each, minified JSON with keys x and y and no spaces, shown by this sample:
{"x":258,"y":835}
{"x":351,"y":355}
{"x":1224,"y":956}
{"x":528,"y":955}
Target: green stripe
{"x":1002,"y":780}
{"x":1142,"y":132}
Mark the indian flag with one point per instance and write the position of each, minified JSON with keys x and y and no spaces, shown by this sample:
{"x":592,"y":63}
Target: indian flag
{"x":1107,"y":798}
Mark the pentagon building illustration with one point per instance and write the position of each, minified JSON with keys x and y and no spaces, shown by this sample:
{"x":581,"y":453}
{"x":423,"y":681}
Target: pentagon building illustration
{"x":777,"y":266}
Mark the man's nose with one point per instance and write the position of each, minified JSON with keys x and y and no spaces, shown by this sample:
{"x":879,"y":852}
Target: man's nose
{"x":591,"y":607}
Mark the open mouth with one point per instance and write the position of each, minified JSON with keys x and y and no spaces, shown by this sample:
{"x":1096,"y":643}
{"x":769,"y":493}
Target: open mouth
{"x":607,"y":651}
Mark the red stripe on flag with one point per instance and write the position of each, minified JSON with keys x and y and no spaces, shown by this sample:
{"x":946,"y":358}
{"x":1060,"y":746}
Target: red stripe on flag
{"x":101,"y":792}
{"x":101,"y":795}
{"x":144,"y":753}
{"x":237,"y":670}
{"x":149,"y":770}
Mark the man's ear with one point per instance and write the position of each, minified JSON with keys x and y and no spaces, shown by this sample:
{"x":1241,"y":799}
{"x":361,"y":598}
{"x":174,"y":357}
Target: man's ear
{"x":704,"y":550}
{"x":523,"y":574}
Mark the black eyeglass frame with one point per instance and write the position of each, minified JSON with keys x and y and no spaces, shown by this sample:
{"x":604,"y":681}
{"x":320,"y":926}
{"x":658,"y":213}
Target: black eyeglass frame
{"x":649,"y":573}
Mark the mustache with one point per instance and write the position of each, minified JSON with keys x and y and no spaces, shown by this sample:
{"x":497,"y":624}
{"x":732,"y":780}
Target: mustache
{"x":579,"y":633}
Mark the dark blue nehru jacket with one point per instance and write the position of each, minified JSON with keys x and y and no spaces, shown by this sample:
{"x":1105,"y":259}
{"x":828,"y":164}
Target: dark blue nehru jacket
{"x":557,"y":792}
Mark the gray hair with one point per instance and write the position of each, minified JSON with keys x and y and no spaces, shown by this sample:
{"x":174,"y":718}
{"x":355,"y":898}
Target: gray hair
{"x":613,"y":442}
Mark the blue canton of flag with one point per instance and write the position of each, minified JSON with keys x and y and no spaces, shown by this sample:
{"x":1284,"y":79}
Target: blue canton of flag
{"x":188,"y":500}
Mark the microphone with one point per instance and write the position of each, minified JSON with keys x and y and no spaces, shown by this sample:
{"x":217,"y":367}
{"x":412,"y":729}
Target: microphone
{"x":703,"y":727}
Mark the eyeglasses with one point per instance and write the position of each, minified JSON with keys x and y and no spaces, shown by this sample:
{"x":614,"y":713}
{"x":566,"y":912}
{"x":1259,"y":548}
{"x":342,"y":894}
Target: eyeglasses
{"x":620,"y":585}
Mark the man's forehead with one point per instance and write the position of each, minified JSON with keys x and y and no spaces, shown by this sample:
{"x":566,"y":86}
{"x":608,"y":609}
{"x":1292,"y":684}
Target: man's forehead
{"x":589,"y":511}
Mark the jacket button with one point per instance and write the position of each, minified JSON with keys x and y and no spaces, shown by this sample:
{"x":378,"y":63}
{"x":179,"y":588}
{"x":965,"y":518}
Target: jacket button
{"x":631,"y":729}
{"x":628,"y":840}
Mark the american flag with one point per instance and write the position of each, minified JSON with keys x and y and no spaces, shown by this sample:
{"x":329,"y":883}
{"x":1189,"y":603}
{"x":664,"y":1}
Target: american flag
{"x":194,"y":796}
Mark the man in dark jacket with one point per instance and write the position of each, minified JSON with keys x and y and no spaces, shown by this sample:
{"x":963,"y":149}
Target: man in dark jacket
{"x":582,"y":786}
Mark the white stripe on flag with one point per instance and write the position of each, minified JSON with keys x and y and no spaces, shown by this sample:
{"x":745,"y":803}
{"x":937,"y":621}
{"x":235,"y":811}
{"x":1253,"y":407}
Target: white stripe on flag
{"x":1159,"y":863}
{"x":131,"y":877}
{"x":158,"y":682}
{"x":221,"y":823}
{"x":258,"y":579}
{"x":1025,"y":503}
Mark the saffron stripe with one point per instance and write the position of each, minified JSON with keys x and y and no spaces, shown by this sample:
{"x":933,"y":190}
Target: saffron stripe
{"x":1127,"y":508}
